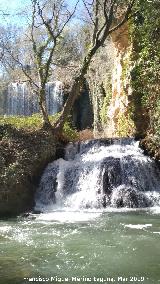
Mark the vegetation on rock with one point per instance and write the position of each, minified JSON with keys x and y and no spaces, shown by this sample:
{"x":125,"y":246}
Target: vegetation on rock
{"x":145,"y":74}
{"x":23,"y":157}
{"x":25,"y":150}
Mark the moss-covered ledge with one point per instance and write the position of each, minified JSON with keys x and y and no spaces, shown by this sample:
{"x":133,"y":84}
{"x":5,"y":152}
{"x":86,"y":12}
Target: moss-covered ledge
{"x":24,"y":155}
{"x":151,"y":146}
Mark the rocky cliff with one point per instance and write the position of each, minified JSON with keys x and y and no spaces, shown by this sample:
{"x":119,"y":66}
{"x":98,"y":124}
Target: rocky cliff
{"x":111,"y":87}
{"x":125,"y":79}
{"x":119,"y":120}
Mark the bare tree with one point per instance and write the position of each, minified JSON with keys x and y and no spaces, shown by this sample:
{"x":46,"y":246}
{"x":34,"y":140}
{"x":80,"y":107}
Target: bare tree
{"x":106,"y":17}
{"x":8,"y":40}
{"x":53,"y":24}
{"x":48,"y":21}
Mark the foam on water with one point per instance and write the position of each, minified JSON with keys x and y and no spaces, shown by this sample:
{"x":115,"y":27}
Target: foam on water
{"x":5,"y":229}
{"x":155,"y":210}
{"x":138,"y":226}
{"x":68,"y":216}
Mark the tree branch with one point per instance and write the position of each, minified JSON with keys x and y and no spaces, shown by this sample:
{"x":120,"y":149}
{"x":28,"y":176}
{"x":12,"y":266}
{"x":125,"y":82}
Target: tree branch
{"x":68,"y":19}
{"x":89,"y":13}
{"x":127,"y":16}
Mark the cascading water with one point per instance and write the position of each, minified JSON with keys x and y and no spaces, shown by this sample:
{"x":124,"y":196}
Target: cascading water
{"x":21,"y":101}
{"x":75,"y":239}
{"x":100,"y":173}
{"x":18,"y":101}
{"x":54,"y":97}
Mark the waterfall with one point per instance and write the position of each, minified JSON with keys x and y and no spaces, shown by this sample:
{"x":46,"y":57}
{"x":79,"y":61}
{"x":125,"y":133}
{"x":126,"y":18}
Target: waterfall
{"x":100,"y":173}
{"x":21,"y":101}
{"x":54,"y":97}
{"x":18,"y":100}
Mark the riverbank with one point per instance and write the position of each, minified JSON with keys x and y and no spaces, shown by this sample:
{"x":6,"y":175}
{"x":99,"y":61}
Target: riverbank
{"x":24,"y":155}
{"x":25,"y":150}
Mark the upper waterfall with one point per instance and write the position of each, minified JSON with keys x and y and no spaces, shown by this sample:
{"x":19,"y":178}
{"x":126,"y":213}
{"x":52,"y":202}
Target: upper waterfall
{"x":20,"y":100}
{"x":100,"y":173}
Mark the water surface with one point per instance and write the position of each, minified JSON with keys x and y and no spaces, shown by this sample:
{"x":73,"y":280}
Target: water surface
{"x":92,"y":246}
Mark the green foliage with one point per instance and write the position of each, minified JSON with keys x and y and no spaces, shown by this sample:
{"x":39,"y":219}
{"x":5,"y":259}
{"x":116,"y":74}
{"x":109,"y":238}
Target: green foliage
{"x":26,"y":122}
{"x":125,"y":65}
{"x":125,"y":125}
{"x":34,"y":122}
{"x":104,"y":109}
{"x":157,"y":119}
{"x":145,"y":33}
{"x":70,"y":133}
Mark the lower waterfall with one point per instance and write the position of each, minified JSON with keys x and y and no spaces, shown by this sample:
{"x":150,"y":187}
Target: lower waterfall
{"x":80,"y":236}
{"x":100,"y":173}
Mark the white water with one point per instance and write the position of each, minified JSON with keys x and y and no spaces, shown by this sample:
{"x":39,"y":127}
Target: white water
{"x":97,"y":174}
{"x":21,"y":101}
{"x":70,"y":240}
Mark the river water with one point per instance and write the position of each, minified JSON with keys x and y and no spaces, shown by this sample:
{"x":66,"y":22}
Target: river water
{"x":99,"y":220}
{"x":113,"y":245}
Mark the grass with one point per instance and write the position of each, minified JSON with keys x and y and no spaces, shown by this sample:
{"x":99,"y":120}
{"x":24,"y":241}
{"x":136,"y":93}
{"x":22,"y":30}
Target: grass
{"x":34,"y":123}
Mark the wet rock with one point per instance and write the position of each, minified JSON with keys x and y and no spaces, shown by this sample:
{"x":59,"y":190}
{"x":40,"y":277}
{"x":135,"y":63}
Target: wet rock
{"x":93,"y":175}
{"x":124,"y":196}
{"x":111,"y":174}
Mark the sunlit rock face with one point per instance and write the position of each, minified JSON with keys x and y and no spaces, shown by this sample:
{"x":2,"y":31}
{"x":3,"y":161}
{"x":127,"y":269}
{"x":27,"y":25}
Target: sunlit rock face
{"x":99,"y":79}
{"x":110,"y":85}
{"x":20,"y":100}
{"x":121,"y":89}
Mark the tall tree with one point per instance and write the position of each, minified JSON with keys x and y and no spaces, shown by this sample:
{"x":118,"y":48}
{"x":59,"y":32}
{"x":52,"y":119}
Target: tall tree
{"x":48,"y":21}
{"x":106,"y":16}
{"x":52,"y":17}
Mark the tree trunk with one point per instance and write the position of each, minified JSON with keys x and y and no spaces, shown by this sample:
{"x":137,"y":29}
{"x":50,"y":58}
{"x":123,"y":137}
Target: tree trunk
{"x":99,"y":37}
{"x":74,"y":93}
{"x":42,"y":105}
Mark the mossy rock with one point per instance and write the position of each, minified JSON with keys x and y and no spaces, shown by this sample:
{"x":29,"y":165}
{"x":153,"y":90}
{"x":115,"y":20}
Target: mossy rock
{"x":24,"y":156}
{"x":151,"y":145}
